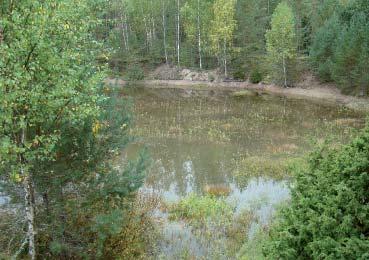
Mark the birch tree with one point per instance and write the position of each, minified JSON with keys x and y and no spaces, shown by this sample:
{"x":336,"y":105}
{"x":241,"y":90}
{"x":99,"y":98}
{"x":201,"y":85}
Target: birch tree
{"x":196,"y":19}
{"x":178,"y":26}
{"x":164,"y":23}
{"x":281,"y":41}
{"x":41,"y":87}
{"x":55,"y":135}
{"x":223,"y":26}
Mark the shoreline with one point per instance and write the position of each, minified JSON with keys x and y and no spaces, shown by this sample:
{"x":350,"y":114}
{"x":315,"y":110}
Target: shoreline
{"x":326,"y":94}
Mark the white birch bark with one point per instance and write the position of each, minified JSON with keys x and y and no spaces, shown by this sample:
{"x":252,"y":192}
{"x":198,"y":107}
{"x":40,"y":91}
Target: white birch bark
{"x":284,"y":71}
{"x":164,"y":33}
{"x":178,"y":37}
{"x":199,"y":32}
{"x":126,"y":31}
{"x":225,"y":59}
{"x":29,"y":203}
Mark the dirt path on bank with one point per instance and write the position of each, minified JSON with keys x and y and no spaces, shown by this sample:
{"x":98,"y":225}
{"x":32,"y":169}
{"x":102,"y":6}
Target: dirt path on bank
{"x":322,"y":94}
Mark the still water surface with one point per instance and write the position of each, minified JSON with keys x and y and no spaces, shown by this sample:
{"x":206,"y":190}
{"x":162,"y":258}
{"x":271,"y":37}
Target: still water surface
{"x":197,"y":139}
{"x":202,"y":138}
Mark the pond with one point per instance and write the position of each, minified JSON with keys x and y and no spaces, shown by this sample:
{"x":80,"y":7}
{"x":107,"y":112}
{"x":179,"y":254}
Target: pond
{"x":204,"y":141}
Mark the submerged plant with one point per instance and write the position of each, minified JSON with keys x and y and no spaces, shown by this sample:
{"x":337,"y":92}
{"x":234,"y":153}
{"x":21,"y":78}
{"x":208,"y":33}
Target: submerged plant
{"x":214,"y":225}
{"x":253,"y":166}
{"x":217,"y":189}
{"x":197,"y":209}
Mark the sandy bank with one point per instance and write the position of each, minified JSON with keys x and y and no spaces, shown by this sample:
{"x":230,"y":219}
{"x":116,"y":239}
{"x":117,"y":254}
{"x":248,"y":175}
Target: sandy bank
{"x":322,"y":94}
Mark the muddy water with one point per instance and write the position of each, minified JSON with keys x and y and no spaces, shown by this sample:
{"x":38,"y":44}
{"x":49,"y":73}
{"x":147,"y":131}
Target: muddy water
{"x":198,"y":138}
{"x":202,"y":138}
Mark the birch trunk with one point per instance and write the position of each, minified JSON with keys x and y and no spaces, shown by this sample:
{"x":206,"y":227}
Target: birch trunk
{"x":30,"y":216}
{"x":199,"y":32}
{"x":29,"y":199}
{"x":147,"y":34}
{"x":225,"y":59}
{"x":126,"y":30}
{"x":147,"y":30}
{"x":122,"y":26}
{"x":284,"y":71}
{"x":178,"y":43}
{"x":153,"y":36}
{"x":164,"y":33}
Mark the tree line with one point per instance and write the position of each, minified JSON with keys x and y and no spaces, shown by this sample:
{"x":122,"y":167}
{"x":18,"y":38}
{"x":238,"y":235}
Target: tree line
{"x":246,"y":37}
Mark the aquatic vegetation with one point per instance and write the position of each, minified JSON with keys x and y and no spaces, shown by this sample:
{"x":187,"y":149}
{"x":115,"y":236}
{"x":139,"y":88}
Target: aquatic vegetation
{"x":213,"y":225}
{"x":237,"y":232}
{"x":251,"y":144}
{"x":289,"y":148}
{"x":244,"y":93}
{"x":276,"y":168}
{"x":217,"y":135}
{"x":197,"y":209}
{"x":354,"y":122}
{"x":217,"y":189}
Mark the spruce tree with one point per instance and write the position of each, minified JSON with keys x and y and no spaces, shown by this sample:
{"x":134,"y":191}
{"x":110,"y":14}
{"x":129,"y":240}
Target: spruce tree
{"x":323,"y":48}
{"x":350,"y":63}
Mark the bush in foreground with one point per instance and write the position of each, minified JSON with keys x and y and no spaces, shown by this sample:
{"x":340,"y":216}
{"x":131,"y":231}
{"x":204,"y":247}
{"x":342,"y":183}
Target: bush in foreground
{"x":328,"y":217}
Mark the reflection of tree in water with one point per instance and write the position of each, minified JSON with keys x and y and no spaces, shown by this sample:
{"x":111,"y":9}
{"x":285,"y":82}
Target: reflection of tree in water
{"x":197,"y":140}
{"x":190,"y":167}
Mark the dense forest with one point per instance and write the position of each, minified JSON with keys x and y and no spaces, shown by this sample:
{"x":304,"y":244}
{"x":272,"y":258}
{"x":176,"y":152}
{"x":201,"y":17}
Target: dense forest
{"x":246,"y":38}
{"x":67,"y":188}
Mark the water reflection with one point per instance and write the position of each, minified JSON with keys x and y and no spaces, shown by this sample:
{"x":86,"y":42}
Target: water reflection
{"x":198,"y":139}
{"x":3,"y":200}
{"x":202,"y":138}
{"x":260,"y":196}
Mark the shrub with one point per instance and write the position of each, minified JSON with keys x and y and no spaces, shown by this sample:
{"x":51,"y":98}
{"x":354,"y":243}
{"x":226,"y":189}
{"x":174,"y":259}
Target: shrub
{"x":328,"y":216}
{"x":211,"y":77}
{"x":135,"y":72}
{"x":239,"y":75}
{"x":139,"y":236}
{"x":256,"y":76}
